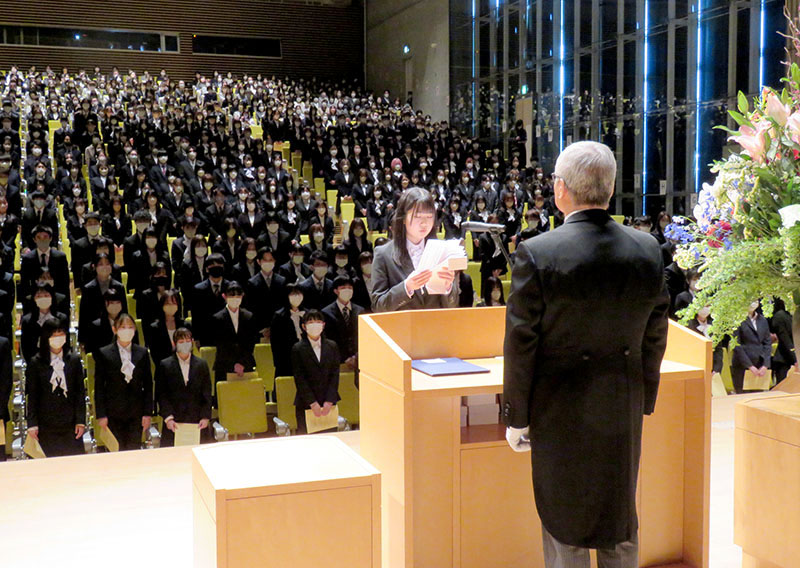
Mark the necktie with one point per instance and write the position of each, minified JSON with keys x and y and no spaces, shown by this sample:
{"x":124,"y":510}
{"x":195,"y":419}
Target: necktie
{"x":346,"y":314}
{"x":44,"y":259}
{"x":216,"y":289}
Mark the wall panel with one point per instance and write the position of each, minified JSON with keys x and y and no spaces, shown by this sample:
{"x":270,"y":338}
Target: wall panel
{"x":317,"y":40}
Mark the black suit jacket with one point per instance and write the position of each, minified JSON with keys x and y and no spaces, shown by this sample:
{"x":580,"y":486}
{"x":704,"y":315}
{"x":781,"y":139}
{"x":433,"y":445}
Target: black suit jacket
{"x":204,"y":305}
{"x":283,"y":336}
{"x":234,"y":346}
{"x":316,"y":380}
{"x":264,"y":300}
{"x":113,"y":396}
{"x":344,"y":334}
{"x":755,"y":346}
{"x":51,"y":409}
{"x":781,"y":326}
{"x":157,"y":338}
{"x":389,"y":273}
{"x":30,"y":268}
{"x":93,"y":306}
{"x":185,"y":402}
{"x":32,"y":331}
{"x":586,"y":330}
{"x":313,"y":299}
{"x":6,"y":378}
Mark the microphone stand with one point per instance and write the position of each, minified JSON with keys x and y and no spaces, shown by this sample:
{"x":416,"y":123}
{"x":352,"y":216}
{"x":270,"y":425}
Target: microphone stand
{"x":495,"y":235}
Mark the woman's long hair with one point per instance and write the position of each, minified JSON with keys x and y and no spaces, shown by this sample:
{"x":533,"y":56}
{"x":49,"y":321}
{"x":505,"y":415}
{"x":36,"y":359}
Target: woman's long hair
{"x":414,"y":200}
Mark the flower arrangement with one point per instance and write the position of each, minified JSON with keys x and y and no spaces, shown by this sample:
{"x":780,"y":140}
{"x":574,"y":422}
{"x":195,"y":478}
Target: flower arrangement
{"x":744,"y":236}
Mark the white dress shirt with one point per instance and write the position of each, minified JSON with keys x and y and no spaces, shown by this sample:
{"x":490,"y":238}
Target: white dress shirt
{"x":234,"y":318}
{"x":316,"y":345}
{"x":184,"y":365}
{"x":127,"y":364}
{"x":415,"y":251}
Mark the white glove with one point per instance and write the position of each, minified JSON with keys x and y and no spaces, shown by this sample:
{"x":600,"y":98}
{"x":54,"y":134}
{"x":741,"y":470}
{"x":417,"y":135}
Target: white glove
{"x":518,"y":439}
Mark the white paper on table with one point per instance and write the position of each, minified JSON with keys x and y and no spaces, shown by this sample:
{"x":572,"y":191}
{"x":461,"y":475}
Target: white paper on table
{"x":437,"y":254}
{"x":187,"y":434}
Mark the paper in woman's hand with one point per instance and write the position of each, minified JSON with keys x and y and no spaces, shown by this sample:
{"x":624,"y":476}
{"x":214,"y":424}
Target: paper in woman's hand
{"x":438,"y":254}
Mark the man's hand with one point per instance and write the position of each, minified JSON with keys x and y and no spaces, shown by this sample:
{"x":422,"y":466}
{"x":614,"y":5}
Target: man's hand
{"x":351,"y":362}
{"x":517,"y":438}
{"x":172,"y":425}
{"x":102,"y":422}
{"x":203,"y":424}
{"x":238,"y":368}
{"x":326,"y":408}
{"x":316,"y":409}
{"x":146,"y":422}
{"x":79,"y":429}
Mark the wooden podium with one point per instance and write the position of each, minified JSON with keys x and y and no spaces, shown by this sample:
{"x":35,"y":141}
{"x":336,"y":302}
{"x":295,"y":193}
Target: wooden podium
{"x":454,"y":496}
{"x":766,"y":473}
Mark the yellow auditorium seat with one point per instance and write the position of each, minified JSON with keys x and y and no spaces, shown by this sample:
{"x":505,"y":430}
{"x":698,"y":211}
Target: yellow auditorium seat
{"x":349,"y":403}
{"x":308,"y":173}
{"x":319,"y":186}
{"x":241,"y":406}
{"x":474,"y":271}
{"x":348,"y":212}
{"x":257,"y":132}
{"x":286,"y":391}
{"x":140,"y":332}
{"x":131,"y":305}
{"x":330,"y":196}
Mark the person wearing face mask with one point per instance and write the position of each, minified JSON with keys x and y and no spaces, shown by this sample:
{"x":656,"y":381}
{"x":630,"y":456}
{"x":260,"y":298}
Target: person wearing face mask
{"x":686,"y":297}
{"x":343,"y":181}
{"x":216,"y":213}
{"x":93,"y":295}
{"x":84,"y":249}
{"x":754,"y":350}
{"x":161,"y":218}
{"x":148,"y":305}
{"x":180,"y":244}
{"x":135,"y":242}
{"x":235,"y":335}
{"x":453,"y":218}
{"x":145,"y":260}
{"x":296,"y":270}
{"x":39,"y":213}
{"x":251,"y":221}
{"x":193,"y":269}
{"x":362,"y":190}
{"x":341,"y":263}
{"x":228,"y":244}
{"x":160,"y":333}
{"x":357,"y":241}
{"x":492,"y":293}
{"x":42,"y":254}
{"x":378,"y":208}
{"x":116,"y":224}
{"x":318,"y":288}
{"x":278,"y":172}
{"x":286,"y":329}
{"x":341,"y":321}
{"x":246,"y":266}
{"x":291,"y":220}
{"x":183,"y":389}
{"x":31,"y":323}
{"x":207,"y":299}
{"x":275,"y":238}
{"x":73,"y":184}
{"x":266,"y":291}
{"x":315,"y":364}
{"x":158,"y":172}
{"x":56,"y":409}
{"x":123,"y":391}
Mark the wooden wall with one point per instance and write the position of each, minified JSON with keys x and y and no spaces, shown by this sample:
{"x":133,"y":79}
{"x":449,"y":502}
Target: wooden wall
{"x":317,"y":40}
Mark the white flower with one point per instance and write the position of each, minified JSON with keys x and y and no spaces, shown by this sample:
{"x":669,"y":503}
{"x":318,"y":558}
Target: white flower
{"x":790,"y":215}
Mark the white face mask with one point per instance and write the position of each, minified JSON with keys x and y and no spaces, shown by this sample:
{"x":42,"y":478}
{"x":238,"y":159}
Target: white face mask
{"x":320,"y":272}
{"x":366,"y":269}
{"x":273,"y":228}
{"x":341,"y":262}
{"x":151,"y":242}
{"x":200,"y":251}
{"x":57,"y":341}
{"x":170,"y":309}
{"x":295,"y":300}
{"x":44,"y":302}
{"x":234,"y":302}
{"x":250,"y":254}
{"x":318,"y":237}
{"x":126,"y":334}
{"x":184,"y":347}
{"x":496,"y":295}
{"x":314,"y":329}
{"x":267,"y":267}
{"x":345,"y":294}
{"x":142,"y":226}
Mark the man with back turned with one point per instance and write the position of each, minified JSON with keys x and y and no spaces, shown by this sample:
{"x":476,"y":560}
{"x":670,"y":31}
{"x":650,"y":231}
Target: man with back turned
{"x":586,"y":330}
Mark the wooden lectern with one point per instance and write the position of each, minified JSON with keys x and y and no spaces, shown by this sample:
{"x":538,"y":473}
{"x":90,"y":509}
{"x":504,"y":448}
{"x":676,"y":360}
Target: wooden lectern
{"x":454,"y":496}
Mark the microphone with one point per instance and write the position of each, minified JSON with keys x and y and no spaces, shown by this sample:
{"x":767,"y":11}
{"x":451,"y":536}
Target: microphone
{"x":477,"y":227}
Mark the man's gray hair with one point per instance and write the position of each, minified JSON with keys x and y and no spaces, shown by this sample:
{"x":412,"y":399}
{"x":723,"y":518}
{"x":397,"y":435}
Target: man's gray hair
{"x":589,"y":170}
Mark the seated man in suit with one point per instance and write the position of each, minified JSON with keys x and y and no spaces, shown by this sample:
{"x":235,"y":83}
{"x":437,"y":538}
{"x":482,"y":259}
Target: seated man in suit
{"x":183,"y":389}
{"x":124,"y":386}
{"x":266,"y":291}
{"x":318,"y":288}
{"x":341,"y":321}
{"x":207,"y":299}
{"x":235,"y":334}
{"x":43,"y":255}
{"x":315,"y":363}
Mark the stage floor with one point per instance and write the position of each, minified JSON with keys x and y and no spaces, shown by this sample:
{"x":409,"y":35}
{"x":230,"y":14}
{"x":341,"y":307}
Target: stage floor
{"x":135,"y":508}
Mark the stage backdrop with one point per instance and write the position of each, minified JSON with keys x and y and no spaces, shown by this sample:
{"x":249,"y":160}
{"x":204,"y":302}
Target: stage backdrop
{"x":323,"y":40}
